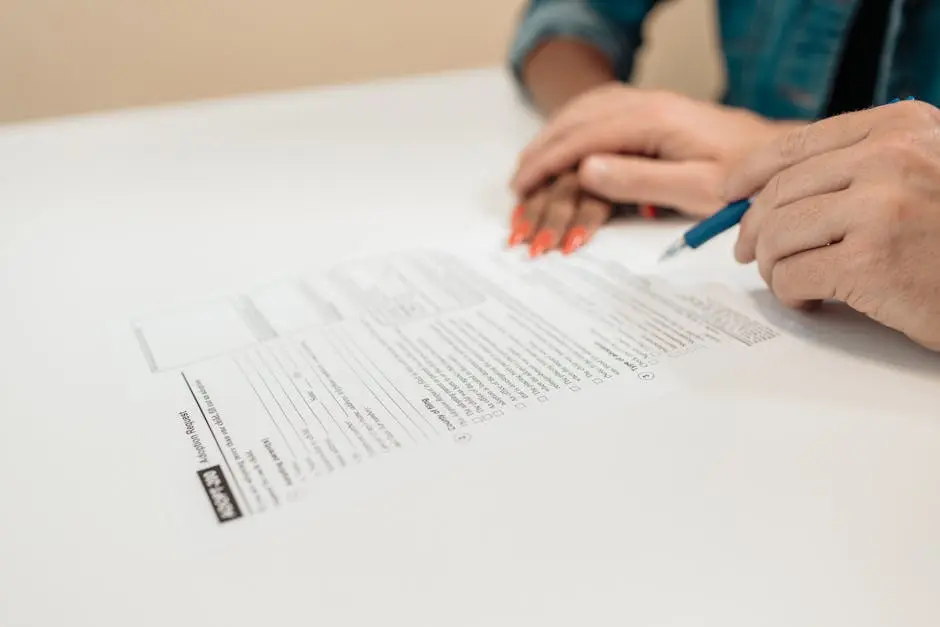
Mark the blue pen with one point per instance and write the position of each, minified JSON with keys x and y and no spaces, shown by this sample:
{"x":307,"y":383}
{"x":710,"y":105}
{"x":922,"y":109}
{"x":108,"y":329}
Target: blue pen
{"x":714,"y":226}
{"x":709,"y":228}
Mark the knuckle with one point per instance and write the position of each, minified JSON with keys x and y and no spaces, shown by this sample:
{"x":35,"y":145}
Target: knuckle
{"x":660,"y":104}
{"x":860,"y":298}
{"x":923,"y":112}
{"x":596,"y":96}
{"x":897,"y":156}
{"x":660,"y":98}
{"x":899,"y":147}
{"x":669,"y":107}
{"x":905,"y":210}
{"x":555,"y":160}
{"x":581,"y":100}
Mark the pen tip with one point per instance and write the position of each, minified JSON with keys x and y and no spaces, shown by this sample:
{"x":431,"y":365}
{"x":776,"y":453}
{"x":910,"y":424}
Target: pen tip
{"x":673,"y":250}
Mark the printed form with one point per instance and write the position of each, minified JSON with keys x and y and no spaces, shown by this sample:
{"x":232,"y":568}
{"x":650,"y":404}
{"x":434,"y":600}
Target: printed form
{"x":271,"y":391}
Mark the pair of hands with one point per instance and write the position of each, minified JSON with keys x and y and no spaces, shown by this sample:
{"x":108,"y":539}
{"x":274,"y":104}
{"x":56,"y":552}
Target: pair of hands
{"x":847,"y":209}
{"x":620,"y":145}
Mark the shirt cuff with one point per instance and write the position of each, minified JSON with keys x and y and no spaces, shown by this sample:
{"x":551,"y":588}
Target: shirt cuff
{"x":571,"y":20}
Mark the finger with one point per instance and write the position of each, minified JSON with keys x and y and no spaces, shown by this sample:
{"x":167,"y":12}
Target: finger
{"x":559,"y":210}
{"x":823,"y":174}
{"x":595,"y":105}
{"x":693,"y":187}
{"x":624,"y":134}
{"x":575,"y":113}
{"x":755,"y":171}
{"x":807,"y":224}
{"x":525,"y":221}
{"x":810,"y":276}
{"x":591,"y":215}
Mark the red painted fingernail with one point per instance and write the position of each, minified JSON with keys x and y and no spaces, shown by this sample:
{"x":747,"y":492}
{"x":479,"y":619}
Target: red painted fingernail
{"x":542,"y":242}
{"x":520,"y":233}
{"x":574,"y":240}
{"x":649,"y":212}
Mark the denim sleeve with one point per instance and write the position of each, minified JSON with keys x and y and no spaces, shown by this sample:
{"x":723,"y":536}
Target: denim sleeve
{"x":612,"y":26}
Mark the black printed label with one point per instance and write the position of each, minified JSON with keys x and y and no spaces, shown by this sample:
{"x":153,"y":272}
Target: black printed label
{"x":220,"y":495}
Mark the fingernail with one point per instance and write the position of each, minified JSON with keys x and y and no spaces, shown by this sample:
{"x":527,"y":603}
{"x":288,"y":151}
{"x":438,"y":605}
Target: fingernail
{"x":574,"y":240}
{"x":595,"y":168}
{"x":520,"y":232}
{"x":543,"y":240}
{"x":596,"y":164}
{"x":649,"y":212}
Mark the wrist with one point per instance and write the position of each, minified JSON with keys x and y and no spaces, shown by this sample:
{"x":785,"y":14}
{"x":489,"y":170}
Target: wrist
{"x":562,"y":69}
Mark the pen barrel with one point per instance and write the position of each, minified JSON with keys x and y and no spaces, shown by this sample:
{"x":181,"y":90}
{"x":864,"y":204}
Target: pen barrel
{"x":717,"y":224}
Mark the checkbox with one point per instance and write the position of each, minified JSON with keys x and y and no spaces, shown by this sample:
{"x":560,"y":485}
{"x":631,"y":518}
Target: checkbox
{"x":542,"y":399}
{"x":598,"y":381}
{"x":575,"y":388}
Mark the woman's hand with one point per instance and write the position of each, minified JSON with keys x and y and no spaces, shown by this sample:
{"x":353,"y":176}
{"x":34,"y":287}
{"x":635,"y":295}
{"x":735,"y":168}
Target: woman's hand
{"x":558,"y":215}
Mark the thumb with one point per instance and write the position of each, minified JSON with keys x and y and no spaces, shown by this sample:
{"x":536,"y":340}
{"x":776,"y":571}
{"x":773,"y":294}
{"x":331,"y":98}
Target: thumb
{"x":693,"y":187}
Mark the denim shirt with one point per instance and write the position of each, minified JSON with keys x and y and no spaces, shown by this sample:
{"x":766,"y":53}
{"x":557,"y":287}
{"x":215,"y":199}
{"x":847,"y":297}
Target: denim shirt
{"x":781,"y":56}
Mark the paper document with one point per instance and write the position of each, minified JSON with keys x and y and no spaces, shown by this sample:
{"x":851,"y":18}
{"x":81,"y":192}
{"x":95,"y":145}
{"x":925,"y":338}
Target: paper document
{"x":269,"y":392}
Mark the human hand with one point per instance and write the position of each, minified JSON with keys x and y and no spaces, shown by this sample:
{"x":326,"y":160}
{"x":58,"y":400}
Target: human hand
{"x":850,"y":210}
{"x":644,"y":147}
{"x":558,"y":214}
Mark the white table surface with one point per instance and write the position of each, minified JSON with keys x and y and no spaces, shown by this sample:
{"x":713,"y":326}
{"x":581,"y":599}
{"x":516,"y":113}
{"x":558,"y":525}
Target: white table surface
{"x":807,"y":494}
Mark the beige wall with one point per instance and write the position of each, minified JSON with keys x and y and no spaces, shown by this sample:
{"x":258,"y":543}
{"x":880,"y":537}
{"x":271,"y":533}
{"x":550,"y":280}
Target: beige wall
{"x":71,"y":56}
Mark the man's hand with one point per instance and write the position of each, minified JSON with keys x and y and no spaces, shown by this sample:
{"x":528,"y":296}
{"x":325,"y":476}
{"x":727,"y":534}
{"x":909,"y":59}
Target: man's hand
{"x":643,"y":147}
{"x":558,"y":215}
{"x":850,"y":210}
